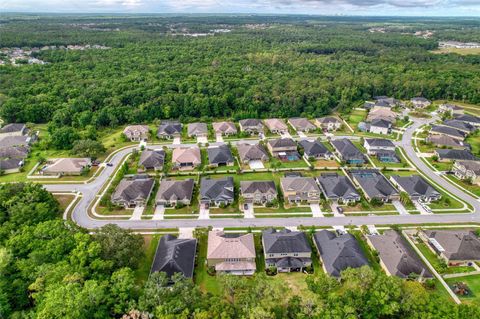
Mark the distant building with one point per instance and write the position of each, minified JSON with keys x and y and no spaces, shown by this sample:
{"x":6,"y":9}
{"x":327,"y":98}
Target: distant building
{"x":301,"y":124}
{"x":420,"y":102}
{"x":381,"y":113}
{"x":328,"y":123}
{"x":66,"y":166}
{"x":450,"y":108}
{"x":446,"y":155}
{"x":440,"y":140}
{"x":448,"y":131}
{"x":197,"y":130}
{"x":251,"y":126}
{"x":467,"y":128}
{"x":467,"y":118}
{"x":276,"y":126}
{"x":169,"y":130}
{"x":136,"y":133}
{"x":224,"y":128}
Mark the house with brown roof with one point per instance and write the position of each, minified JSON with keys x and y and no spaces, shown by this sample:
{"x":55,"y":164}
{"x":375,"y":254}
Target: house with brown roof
{"x":258,"y":192}
{"x":224,"y":128}
{"x":328,"y":123}
{"x":276,"y":126}
{"x":301,"y":124}
{"x":65,"y":166}
{"x":381,"y":113}
{"x":137,"y":133}
{"x":300,"y":189}
{"x":186,"y":158}
{"x":197,"y":130}
{"x":251,"y":126}
{"x":251,"y":152}
{"x":420,"y":102}
{"x":231,"y":253}
{"x":133,"y":191}
{"x":283,"y":148}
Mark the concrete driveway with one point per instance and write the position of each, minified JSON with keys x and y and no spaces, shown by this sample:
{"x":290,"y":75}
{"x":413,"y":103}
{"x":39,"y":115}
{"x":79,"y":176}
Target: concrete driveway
{"x":301,"y":134}
{"x":256,"y":164}
{"x":335,"y":210}
{"x":204,"y":213}
{"x":399,"y":207}
{"x":219,"y":138}
{"x":202,"y":140}
{"x":177,"y":141}
{"x":316,"y":211}
{"x":159,"y":212}
{"x":249,"y":213}
{"x":137,"y":213}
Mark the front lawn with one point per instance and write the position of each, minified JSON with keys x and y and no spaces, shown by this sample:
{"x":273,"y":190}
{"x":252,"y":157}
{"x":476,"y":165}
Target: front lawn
{"x":150,"y":247}
{"x":473,"y":283}
{"x":441,"y":166}
{"x":472,"y":188}
{"x":206,"y":282}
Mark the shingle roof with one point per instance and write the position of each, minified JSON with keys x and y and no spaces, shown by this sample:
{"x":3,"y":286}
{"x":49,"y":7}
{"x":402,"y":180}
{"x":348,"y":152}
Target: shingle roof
{"x":187,"y":155}
{"x":346,"y":148}
{"x":8,"y":141}
{"x":10,"y":163}
{"x":462,"y":126}
{"x":219,"y":154}
{"x":471,"y":166}
{"x":285,"y":241}
{"x":456,"y":155}
{"x":447,"y":141}
{"x":175,"y":190}
{"x":12,"y":127}
{"x":221,"y":246}
{"x":456,"y":244}
{"x":419,"y":99}
{"x":14,"y":152}
{"x":251,"y":123}
{"x":72,"y":165}
{"x":219,"y":189}
{"x":224,"y":127}
{"x":339,"y":252}
{"x":415,"y":185}
{"x":152,"y":158}
{"x":275,"y":124}
{"x":130,"y":189}
{"x":169,"y":128}
{"x":381,"y":123}
{"x":373,"y":183}
{"x":397,"y":256}
{"x":379,"y":142}
{"x":282,"y":142}
{"x":448,"y":131}
{"x":249,"y":187}
{"x":133,"y":128}
{"x":467,"y":118}
{"x":328,"y":119}
{"x":301,"y":124}
{"x":249,"y":152}
{"x":299,"y":184}
{"x":175,"y":255}
{"x":336,"y":186}
{"x":314,"y":148}
{"x":197,"y":128}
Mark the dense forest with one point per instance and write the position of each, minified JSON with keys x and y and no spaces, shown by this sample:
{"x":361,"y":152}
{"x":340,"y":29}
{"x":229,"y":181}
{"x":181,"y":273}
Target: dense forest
{"x":49,"y":268}
{"x":280,"y":66}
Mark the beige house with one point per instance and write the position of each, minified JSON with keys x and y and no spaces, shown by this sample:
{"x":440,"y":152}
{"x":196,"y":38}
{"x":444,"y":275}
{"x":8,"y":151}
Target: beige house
{"x":224,"y":128}
{"x":467,"y":170}
{"x":65,"y":166}
{"x":301,"y":124}
{"x":328,"y":123}
{"x":276,"y":126}
{"x":136,"y":133}
{"x":231,"y":254}
{"x":381,"y":113}
{"x":300,"y":189}
{"x":186,"y":158}
{"x":258,"y":192}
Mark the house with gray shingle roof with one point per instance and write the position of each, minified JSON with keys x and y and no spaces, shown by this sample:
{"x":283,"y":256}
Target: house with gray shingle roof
{"x":446,"y":155}
{"x":217,"y":191}
{"x":301,"y":124}
{"x":258,"y":192}
{"x":12,"y":158}
{"x":468,"y":118}
{"x":284,"y":149}
{"x":251,"y":152}
{"x":276,"y":126}
{"x":338,"y":253}
{"x":220,"y":156}
{"x":175,"y":255}
{"x":172,"y":192}
{"x":315,"y":149}
{"x":459,"y":125}
{"x":286,"y":250}
{"x":13,"y":129}
{"x":338,"y":188}
{"x":133,"y":191}
{"x":397,"y":258}
{"x":416,"y":187}
{"x":224,"y":128}
{"x":467,"y":170}
{"x":169,"y":130}
{"x":448,"y":131}
{"x":456,"y":247}
{"x":152,"y":159}
{"x":251,"y":126}
{"x":197,"y":130}
{"x":374,"y":184}
{"x":328,"y":123}
{"x":347,"y":151}
{"x":420,"y":102}
{"x":447,"y":141}
{"x":300,"y":189}
{"x":373,"y":145}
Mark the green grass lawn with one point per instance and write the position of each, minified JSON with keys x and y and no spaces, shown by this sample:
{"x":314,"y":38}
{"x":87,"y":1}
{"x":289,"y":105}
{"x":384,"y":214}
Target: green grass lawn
{"x":64,"y":200}
{"x":441,"y":166}
{"x":368,"y":252}
{"x":150,"y":247}
{"x":355,"y":117}
{"x":437,"y":262}
{"x":472,"y":188}
{"x":474,"y":141}
{"x":473,"y":283}
{"x":206,"y":282}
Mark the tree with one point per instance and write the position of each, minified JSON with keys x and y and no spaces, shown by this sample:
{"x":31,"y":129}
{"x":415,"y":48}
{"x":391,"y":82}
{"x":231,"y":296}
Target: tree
{"x":405,"y":198}
{"x":88,"y":148}
{"x":63,"y":138}
{"x":120,"y":246}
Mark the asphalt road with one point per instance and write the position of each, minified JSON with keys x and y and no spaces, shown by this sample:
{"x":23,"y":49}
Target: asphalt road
{"x":89,"y":191}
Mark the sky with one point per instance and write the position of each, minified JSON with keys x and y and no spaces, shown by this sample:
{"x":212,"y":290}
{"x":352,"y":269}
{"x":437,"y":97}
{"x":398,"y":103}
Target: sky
{"x":316,"y":7}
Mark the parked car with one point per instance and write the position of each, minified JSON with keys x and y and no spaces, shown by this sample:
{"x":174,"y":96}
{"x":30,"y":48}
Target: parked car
{"x":109,"y":164}
{"x":340,"y":209}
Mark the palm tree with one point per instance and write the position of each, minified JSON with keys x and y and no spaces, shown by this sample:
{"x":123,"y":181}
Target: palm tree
{"x":404,"y":198}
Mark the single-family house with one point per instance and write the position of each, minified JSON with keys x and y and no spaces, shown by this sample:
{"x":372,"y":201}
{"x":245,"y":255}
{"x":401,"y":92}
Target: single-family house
{"x":338,"y":188}
{"x":137,"y":133}
{"x":284,"y":149}
{"x":459,"y":125}
{"x":456,"y":247}
{"x":450,"y":108}
{"x":386,"y":101}
{"x":133,"y":191}
{"x":300,"y":189}
{"x":258,"y":192}
{"x":381,"y":113}
{"x":448,"y":131}
{"x":468,"y":118}
{"x":231,"y":253}
{"x":447,"y":141}
{"x":186,"y":157}
{"x":416,"y":187}
{"x":197,"y":130}
{"x":224,"y":128}
{"x":374,"y":184}
{"x":374,"y":145}
{"x":446,"y":155}
{"x":13,"y":129}
{"x":276,"y":126}
{"x":217,"y":191}
{"x":301,"y":124}
{"x":379,"y":126}
{"x":169,"y":130}
{"x":397,"y":258}
{"x":315,"y":149}
{"x":152,"y":159}
{"x":173,"y":192}
{"x":286,"y":250}
{"x":338,"y":252}
{"x":467,"y":170}
{"x":16,"y":140}
{"x":348,"y":152}
{"x":251,"y":152}
{"x":220,"y":156}
{"x":12,"y":158}
{"x":251,"y":126}
{"x":65,"y":166}
{"x":328,"y":123}
{"x":420,"y":102}
{"x":175,"y":255}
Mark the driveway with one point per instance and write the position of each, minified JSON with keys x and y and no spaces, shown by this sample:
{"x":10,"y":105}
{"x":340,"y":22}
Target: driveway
{"x":335,"y":210}
{"x":301,"y":134}
{"x":202,"y":140}
{"x":256,"y":164}
{"x":399,"y":207}
{"x":185,"y":232}
{"x":177,"y":140}
{"x":204,"y":213}
{"x":423,"y":209}
{"x":316,"y":211}
{"x":248,"y":213}
{"x":159,"y":212}
{"x":137,"y":213}
{"x":286,"y":135}
{"x":219,"y":138}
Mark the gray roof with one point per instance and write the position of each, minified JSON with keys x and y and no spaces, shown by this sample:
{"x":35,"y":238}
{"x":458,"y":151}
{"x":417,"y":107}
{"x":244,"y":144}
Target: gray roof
{"x":251,"y":123}
{"x":381,"y":123}
{"x":347,"y":149}
{"x":465,"y":155}
{"x":152,"y":158}
{"x":12,"y":127}
{"x":15,"y":140}
{"x":470,"y":166}
{"x":373,"y":183}
{"x":314,"y":148}
{"x":263,"y":187}
{"x":11,"y":163}
{"x":336,"y":186}
{"x":14,"y":152}
{"x":169,"y":128}
{"x":301,"y":123}
{"x":415,"y":186}
{"x":282,"y":142}
{"x":299,"y":184}
{"x":328,"y":119}
{"x":135,"y":188}
{"x":219,"y":154}
{"x":397,"y":256}
{"x":456,"y":244}
{"x":339,"y":252}
{"x":197,"y":128}
{"x":285,"y":241}
{"x":249,"y":152}
{"x":447,"y":141}
{"x":218,"y":189}
{"x":448,"y":131}
{"x":420,"y":99}
{"x":175,"y":190}
{"x":379,"y":142}
{"x":467,"y":118}
{"x":462,"y":126}
{"x":175,"y":255}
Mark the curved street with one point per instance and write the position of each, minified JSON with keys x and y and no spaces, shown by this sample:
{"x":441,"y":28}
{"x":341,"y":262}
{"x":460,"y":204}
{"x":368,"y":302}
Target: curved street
{"x":89,"y":191}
